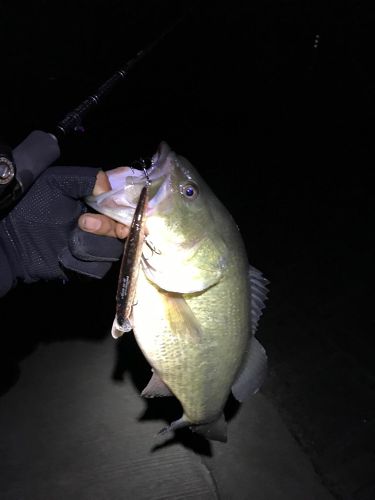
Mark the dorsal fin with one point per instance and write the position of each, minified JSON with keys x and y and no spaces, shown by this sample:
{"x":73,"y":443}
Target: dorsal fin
{"x":259,"y":292}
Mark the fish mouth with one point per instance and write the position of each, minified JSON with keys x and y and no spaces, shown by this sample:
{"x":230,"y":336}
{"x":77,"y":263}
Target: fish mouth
{"x":127,"y":182}
{"x":160,"y":160}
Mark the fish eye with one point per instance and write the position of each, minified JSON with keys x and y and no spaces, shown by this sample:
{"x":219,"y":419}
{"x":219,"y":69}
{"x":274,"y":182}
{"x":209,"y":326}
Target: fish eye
{"x":189,"y":190}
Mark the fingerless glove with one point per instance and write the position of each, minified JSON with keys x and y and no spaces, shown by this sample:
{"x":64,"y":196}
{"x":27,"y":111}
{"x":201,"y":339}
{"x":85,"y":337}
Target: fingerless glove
{"x":40,"y":239}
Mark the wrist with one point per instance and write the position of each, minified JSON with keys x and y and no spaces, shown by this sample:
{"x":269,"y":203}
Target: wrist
{"x":9,"y":249}
{"x":7,"y":272}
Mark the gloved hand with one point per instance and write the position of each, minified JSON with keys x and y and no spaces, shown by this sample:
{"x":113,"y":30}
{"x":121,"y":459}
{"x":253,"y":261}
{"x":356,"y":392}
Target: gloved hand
{"x":40,"y":236}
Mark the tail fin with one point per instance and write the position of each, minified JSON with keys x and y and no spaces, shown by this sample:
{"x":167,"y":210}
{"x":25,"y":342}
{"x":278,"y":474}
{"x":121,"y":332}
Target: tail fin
{"x":215,"y":430}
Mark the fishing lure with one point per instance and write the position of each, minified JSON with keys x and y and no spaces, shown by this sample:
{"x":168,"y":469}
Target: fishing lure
{"x":130,"y":267}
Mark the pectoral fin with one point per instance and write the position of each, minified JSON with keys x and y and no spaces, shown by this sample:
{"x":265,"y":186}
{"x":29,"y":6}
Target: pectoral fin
{"x":181,"y":318}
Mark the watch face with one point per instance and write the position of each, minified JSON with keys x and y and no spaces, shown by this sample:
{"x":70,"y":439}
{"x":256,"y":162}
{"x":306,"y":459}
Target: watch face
{"x":6,"y":170}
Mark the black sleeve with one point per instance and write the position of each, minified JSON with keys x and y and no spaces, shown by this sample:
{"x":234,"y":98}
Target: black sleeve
{"x":7,"y":280}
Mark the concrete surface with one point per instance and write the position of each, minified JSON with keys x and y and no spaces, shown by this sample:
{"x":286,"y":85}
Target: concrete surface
{"x":69,"y":431}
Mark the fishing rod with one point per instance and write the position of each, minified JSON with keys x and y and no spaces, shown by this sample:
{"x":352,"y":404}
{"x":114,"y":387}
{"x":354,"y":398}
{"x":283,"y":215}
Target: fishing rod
{"x":73,"y":120}
{"x":21,"y":167}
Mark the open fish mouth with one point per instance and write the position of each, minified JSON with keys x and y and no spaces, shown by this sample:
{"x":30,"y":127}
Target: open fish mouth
{"x":138,"y":173}
{"x":127,"y":184}
{"x":160,"y":161}
{"x":132,"y":179}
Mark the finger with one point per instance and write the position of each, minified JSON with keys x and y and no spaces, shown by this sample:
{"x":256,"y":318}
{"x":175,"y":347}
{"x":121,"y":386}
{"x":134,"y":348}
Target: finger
{"x":102,"y":225}
{"x":102,"y":183}
{"x":90,"y":247}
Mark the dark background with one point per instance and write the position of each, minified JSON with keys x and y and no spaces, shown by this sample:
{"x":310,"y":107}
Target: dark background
{"x":273,"y":103}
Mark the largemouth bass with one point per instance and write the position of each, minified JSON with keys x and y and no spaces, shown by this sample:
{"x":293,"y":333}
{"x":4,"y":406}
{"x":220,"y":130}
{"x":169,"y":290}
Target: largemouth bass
{"x":197,"y":301}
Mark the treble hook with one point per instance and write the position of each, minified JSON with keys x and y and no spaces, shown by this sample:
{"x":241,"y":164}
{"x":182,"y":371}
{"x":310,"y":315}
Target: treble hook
{"x":152,"y":247}
{"x":142,"y":164}
{"x":148,"y":181}
{"x":144,"y":167}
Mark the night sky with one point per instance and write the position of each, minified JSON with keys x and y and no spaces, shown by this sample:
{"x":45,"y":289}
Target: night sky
{"x":273,"y":102}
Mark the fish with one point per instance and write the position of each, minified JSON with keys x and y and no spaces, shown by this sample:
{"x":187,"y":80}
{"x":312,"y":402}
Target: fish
{"x":197,"y":301}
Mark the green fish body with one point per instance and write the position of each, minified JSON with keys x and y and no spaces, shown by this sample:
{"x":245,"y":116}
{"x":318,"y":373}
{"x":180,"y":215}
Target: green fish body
{"x":197,"y":300}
